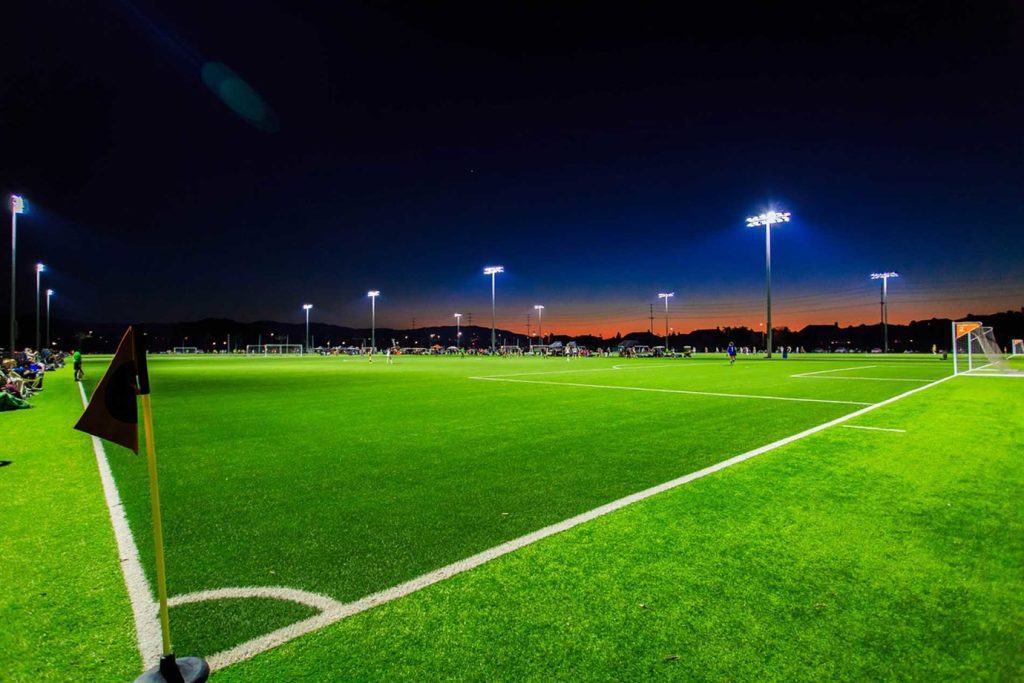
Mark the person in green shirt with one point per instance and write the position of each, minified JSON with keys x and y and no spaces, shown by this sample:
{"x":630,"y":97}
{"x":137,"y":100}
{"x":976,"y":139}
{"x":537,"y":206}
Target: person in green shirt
{"x":76,"y":356}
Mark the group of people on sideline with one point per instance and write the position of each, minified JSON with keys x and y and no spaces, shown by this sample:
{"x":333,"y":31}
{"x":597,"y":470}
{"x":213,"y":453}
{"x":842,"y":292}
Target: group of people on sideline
{"x":22,"y":374}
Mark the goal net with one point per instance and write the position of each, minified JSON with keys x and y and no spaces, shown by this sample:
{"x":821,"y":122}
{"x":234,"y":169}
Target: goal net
{"x":1017,"y":347}
{"x":185,"y":349}
{"x":976,"y":351}
{"x":274,"y":349}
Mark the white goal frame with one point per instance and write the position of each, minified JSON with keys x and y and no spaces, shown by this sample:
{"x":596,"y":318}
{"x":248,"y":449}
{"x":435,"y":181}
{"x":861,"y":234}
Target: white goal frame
{"x":185,"y":350}
{"x":1016,"y":347}
{"x":273,"y":350}
{"x":975,"y":352}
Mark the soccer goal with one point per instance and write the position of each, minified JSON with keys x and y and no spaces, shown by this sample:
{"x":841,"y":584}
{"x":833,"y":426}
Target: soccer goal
{"x":976,"y":352}
{"x":185,"y":349}
{"x":274,"y":349}
{"x":1017,"y":347}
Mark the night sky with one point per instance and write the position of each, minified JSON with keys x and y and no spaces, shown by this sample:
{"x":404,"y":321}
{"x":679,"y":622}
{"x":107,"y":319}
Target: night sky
{"x":223,"y":159}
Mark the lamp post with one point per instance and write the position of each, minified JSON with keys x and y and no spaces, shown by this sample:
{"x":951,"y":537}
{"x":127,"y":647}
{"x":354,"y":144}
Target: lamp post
{"x":306,"y":308}
{"x":884,"y":277}
{"x":767,"y":220}
{"x":17,"y":206}
{"x":666,"y":296}
{"x":492,"y":271}
{"x":540,"y":315}
{"x":458,"y":331}
{"x":49,"y":293}
{"x":39,"y":271}
{"x":373,"y":294}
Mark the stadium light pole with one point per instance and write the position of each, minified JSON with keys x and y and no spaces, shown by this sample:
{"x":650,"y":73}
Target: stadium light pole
{"x":373,"y":294}
{"x":306,"y":308}
{"x":666,"y":296}
{"x":17,"y":206}
{"x":884,"y":277}
{"x":493,"y":271}
{"x":458,"y":330}
{"x":49,"y":293}
{"x":767,"y":220}
{"x":39,"y":271}
{"x":540,"y":314}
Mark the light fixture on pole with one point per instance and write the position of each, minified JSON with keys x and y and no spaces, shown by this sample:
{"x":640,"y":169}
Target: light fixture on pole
{"x":373,"y":294}
{"x":884,"y":277}
{"x":540,"y":314}
{"x":39,"y":271}
{"x":306,"y":308}
{"x":492,"y":271}
{"x":767,"y":220}
{"x":666,"y":296}
{"x":458,"y":331}
{"x":49,"y":293}
{"x":17,"y":206}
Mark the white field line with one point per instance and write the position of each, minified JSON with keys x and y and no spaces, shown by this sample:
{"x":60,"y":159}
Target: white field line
{"x":822,"y":372}
{"x":144,"y":607}
{"x":869,"y":379}
{"x":674,"y":391}
{"x":875,"y":429}
{"x":255,"y":646}
{"x":317,"y":600}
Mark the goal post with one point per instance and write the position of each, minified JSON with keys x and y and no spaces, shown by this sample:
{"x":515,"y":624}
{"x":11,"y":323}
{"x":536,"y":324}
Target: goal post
{"x":273,"y":349}
{"x":976,"y":351}
{"x":185,"y":349}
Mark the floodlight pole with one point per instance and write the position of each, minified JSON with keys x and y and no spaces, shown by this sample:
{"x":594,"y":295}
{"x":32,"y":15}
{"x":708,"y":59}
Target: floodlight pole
{"x":306,"y":307}
{"x":373,"y":294}
{"x":49,"y":293}
{"x":458,"y":330}
{"x":39,"y":270}
{"x":540,"y":314}
{"x":767,"y":219}
{"x":493,"y":271}
{"x":17,"y":205}
{"x":666,"y":296}
{"x":884,"y":305}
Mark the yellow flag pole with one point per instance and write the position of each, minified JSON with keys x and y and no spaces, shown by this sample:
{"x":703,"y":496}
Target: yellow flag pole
{"x":158,"y":531}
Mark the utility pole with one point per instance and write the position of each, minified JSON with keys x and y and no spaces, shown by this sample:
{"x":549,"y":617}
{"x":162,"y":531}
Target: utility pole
{"x":527,"y":325}
{"x":650,"y":328}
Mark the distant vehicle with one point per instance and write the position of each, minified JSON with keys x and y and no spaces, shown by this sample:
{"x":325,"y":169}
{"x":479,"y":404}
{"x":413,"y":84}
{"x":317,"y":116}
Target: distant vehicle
{"x":876,"y":350}
{"x":841,"y":349}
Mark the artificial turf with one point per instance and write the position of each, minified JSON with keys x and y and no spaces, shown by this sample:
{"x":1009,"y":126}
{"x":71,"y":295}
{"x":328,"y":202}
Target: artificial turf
{"x":337,"y":476}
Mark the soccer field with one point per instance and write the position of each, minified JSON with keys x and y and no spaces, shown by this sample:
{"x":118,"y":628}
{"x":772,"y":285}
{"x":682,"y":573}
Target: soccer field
{"x":294,"y":488}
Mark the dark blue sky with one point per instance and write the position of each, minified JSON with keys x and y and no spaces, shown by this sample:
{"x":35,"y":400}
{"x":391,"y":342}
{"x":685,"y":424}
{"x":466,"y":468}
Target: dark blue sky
{"x":601,"y":153}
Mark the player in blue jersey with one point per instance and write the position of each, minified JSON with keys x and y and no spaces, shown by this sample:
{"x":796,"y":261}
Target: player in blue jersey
{"x":732,"y":353}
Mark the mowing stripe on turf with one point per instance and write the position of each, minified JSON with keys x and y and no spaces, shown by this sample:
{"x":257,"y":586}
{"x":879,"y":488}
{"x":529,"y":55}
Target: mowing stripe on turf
{"x":572,"y":372}
{"x":869,"y":379}
{"x":281,"y":636}
{"x":875,"y":429}
{"x":144,"y":607}
{"x":674,"y":391}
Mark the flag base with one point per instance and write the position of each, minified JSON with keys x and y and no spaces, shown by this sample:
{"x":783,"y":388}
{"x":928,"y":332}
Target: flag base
{"x":172,"y":670}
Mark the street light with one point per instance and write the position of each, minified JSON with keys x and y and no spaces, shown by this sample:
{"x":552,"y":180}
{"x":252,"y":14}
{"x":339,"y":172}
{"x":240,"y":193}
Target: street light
{"x":39,"y":270}
{"x":540,"y":315}
{"x":306,"y":308}
{"x":666,"y":296}
{"x":49,"y":293}
{"x":458,"y":332}
{"x":884,"y":277}
{"x":17,"y":206}
{"x":767,"y":220}
{"x":492,"y":271}
{"x":373,"y":294}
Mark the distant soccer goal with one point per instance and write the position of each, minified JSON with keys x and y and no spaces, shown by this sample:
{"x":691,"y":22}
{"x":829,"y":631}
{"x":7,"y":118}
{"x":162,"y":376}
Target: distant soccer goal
{"x":185,"y":349}
{"x":976,"y":352}
{"x":274,"y":349}
{"x":1017,"y":347}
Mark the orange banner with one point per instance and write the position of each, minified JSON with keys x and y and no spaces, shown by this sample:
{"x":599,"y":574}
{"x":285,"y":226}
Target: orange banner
{"x":964,"y":328}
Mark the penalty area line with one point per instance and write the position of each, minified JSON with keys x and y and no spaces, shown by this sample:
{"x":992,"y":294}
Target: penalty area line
{"x":333,"y":615}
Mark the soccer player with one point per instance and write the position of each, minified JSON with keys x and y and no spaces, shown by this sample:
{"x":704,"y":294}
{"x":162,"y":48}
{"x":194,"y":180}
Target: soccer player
{"x":76,"y":356}
{"x":732,"y":353}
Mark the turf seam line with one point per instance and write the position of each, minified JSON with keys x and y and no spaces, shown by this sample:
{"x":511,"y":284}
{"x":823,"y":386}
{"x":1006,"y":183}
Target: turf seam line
{"x":144,"y":607}
{"x":869,"y":379}
{"x":578,"y":370}
{"x":875,"y":429}
{"x":675,"y":391}
{"x":251,"y":648}
{"x":823,"y":372}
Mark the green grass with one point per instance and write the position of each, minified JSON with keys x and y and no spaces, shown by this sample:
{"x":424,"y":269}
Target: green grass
{"x":336,"y":476}
{"x":63,"y":605}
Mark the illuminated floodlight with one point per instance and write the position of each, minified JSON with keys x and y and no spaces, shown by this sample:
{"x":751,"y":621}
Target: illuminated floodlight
{"x":40,"y":267}
{"x":492,"y":271}
{"x":373,"y":294}
{"x":540,"y":315}
{"x":458,"y":331}
{"x":768,"y":219}
{"x":666,"y":296}
{"x":884,"y":277}
{"x":17,"y":204}
{"x":39,"y":270}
